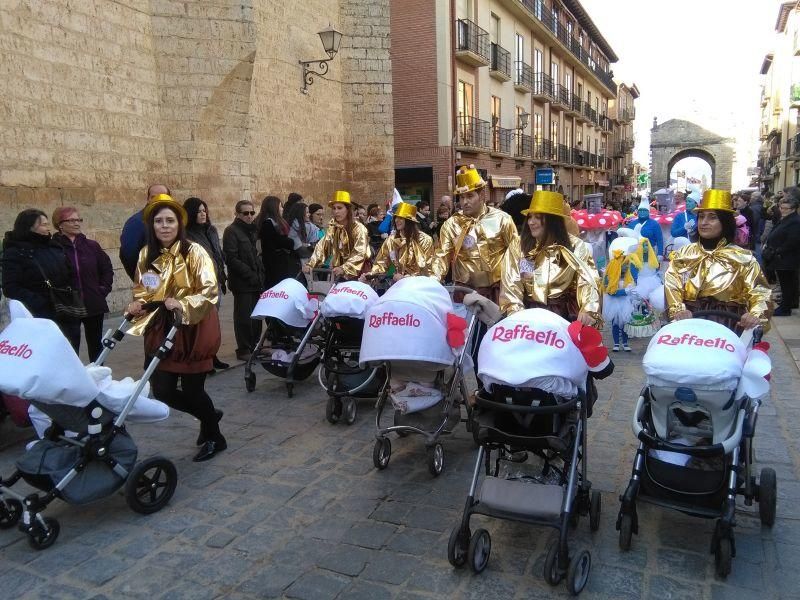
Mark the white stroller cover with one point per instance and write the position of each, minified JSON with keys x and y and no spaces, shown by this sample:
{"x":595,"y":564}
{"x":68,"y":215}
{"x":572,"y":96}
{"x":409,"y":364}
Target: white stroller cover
{"x":409,"y":322}
{"x":695,"y":353}
{"x":532,"y":349}
{"x":348,"y":299}
{"x":289,"y":302}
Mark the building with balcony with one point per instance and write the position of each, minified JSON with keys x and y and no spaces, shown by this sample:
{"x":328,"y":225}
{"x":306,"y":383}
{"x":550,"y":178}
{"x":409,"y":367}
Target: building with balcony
{"x":511,"y":86}
{"x":778,"y":162}
{"x":622,"y":113}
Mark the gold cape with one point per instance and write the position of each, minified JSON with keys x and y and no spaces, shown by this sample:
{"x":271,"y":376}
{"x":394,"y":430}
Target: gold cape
{"x":474,"y":247}
{"x":192,"y":281}
{"x":413,"y":258}
{"x":549,"y":273}
{"x":344,"y":252}
{"x":727,"y":273}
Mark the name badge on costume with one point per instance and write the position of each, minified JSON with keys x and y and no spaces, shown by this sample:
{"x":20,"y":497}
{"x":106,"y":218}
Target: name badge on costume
{"x":526,"y":267}
{"x":469,"y":242}
{"x":151,"y":280}
{"x":393,"y":255}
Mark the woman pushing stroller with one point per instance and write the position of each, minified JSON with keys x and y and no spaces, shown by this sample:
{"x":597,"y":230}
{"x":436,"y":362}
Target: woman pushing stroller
{"x":715,"y":274}
{"x":180,"y":274}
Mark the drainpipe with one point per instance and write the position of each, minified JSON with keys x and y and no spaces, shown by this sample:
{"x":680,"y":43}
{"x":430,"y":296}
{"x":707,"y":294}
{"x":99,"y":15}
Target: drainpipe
{"x":453,"y":97}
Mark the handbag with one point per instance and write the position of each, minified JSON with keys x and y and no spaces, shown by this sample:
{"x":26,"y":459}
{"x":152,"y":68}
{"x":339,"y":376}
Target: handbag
{"x":66,"y":302}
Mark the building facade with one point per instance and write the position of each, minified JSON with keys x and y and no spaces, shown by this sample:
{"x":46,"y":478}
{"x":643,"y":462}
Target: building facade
{"x":101,"y":99}
{"x":778,"y":164}
{"x":622,"y":113}
{"x":515,"y":87}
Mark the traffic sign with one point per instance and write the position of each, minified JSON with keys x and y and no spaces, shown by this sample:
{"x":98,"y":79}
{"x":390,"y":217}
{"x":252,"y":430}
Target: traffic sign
{"x":642,"y":179}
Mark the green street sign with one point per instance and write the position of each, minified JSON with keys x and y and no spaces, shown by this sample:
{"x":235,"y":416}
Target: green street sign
{"x":642,"y":179}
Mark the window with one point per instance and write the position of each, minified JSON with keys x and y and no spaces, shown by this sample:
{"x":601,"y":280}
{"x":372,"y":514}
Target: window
{"x":567,"y":135}
{"x":554,"y":72}
{"x":595,"y":145}
{"x":553,"y":138}
{"x":568,"y":81}
{"x":569,"y":30}
{"x":589,"y":98}
{"x":520,"y":50}
{"x":597,"y":105}
{"x":537,"y":62}
{"x":579,"y":136}
{"x":537,"y":127}
{"x":494,"y":30}
{"x":537,"y":8}
{"x":496,"y":123}
{"x":555,"y":20}
{"x":580,"y":91}
{"x":464,"y":9}
{"x":466,"y":125}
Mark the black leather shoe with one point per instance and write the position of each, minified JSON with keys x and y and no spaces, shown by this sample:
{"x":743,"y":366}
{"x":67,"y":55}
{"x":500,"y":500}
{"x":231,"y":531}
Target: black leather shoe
{"x":201,"y":439}
{"x":210,"y":449}
{"x":218,"y":364}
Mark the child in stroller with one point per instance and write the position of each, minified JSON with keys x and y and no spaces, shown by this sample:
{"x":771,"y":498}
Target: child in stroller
{"x":534,"y":366}
{"x":99,"y":456}
{"x":695,"y":421}
{"x":289,"y":347}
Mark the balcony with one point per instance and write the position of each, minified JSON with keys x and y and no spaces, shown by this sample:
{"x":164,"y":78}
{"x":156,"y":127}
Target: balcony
{"x":578,"y":108}
{"x":577,"y":157}
{"x":626,"y":115}
{"x":473,"y":134}
{"x":501,"y":141}
{"x":589,"y":113}
{"x":575,"y":104}
{"x":605,"y":123}
{"x":523,"y":146}
{"x":472,"y":44}
{"x":562,"y":96}
{"x":563,"y":154}
{"x":500,"y":65}
{"x":523,"y":77}
{"x":541,"y":150}
{"x":543,"y":88}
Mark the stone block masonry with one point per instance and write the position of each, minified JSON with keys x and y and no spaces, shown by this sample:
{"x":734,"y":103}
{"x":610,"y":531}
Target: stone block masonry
{"x":103,"y":98}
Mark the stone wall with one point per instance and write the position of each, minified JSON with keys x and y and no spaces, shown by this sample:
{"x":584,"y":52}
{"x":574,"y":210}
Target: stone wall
{"x":103,"y":98}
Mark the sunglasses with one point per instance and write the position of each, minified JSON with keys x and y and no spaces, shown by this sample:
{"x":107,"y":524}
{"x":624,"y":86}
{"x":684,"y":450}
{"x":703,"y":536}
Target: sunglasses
{"x":247,"y":212}
{"x":72,"y":221}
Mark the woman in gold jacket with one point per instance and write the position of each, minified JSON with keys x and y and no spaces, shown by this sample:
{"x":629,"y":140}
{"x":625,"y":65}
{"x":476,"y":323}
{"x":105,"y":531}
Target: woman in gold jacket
{"x":346,"y":241}
{"x":408,"y":250}
{"x":715,"y":274}
{"x":549,"y":268}
{"x":180,"y":274}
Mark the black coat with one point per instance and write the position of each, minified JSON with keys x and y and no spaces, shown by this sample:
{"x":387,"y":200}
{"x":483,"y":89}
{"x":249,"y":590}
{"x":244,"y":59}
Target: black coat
{"x":206,"y":235}
{"x":92,"y":270}
{"x":785,"y":239}
{"x":245,"y":271}
{"x":22,"y":278}
{"x":276,"y":250}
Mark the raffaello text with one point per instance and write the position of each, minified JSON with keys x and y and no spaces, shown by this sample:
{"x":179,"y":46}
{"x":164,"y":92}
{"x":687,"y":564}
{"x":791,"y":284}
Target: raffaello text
{"x":523,"y":332}
{"x":392,"y":320}
{"x":348,"y":290}
{"x":21,"y":351}
{"x":274,"y":295}
{"x":688,"y":339}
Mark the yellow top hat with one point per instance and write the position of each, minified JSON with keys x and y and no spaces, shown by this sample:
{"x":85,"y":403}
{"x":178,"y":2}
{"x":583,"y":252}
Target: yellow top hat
{"x":406,"y":211}
{"x":340,"y":196}
{"x":551,"y":203}
{"x":715,"y":200}
{"x":161,"y":201}
{"x":468,"y":180}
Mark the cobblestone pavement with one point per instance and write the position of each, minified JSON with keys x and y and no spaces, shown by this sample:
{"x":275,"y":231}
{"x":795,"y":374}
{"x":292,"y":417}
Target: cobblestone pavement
{"x":295,"y":509}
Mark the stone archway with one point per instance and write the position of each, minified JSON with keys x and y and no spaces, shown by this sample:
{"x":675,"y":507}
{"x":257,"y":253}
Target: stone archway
{"x":677,"y":139}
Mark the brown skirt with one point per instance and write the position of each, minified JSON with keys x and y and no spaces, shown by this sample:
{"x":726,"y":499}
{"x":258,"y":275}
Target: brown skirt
{"x":711,"y":303}
{"x":565,"y":306}
{"x":492,"y":293}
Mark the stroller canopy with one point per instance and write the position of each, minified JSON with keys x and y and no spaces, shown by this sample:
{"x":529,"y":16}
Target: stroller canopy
{"x":532,"y":349}
{"x":409,"y":322}
{"x":348,"y":299}
{"x":289,"y":302}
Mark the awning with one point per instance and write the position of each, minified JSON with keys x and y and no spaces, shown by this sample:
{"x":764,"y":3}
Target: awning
{"x":505,"y":182}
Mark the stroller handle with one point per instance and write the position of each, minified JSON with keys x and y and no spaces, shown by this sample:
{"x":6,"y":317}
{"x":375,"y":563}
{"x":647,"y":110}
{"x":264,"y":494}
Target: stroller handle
{"x":568,"y":406}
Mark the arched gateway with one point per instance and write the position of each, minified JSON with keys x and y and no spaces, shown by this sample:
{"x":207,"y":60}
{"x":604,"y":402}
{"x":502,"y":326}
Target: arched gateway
{"x":676,"y":139}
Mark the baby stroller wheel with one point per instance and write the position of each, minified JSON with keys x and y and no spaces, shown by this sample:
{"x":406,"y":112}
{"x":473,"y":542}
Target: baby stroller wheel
{"x":578,"y":572}
{"x":150,"y":485}
{"x":381,"y":453}
{"x":722,"y":557}
{"x":625,"y":532}
{"x":43,"y":536}
{"x":458,"y":546}
{"x":480,"y":546}
{"x":10,"y":513}
{"x":767,"y":496}
{"x":350,"y":411}
{"x":552,"y":575}
{"x":594,"y":512}
{"x":436,"y":459}
{"x":250,"y":382}
{"x":333,"y":410}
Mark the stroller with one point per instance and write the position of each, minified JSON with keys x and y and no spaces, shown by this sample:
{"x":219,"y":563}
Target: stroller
{"x":407,"y":332}
{"x":289,"y":346}
{"x":86,"y":454}
{"x":695,"y":421}
{"x":534,"y":405}
{"x":341,"y":375}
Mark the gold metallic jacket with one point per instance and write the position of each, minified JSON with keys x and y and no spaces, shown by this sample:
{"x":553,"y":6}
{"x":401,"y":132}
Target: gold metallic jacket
{"x":191,"y":281}
{"x":551,"y":272}
{"x":474,"y":247}
{"x":726,"y":273}
{"x":344,"y":252}
{"x":413,"y":258}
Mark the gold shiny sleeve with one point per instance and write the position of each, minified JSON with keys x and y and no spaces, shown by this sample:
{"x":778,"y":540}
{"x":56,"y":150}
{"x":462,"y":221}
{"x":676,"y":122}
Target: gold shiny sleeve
{"x":204,"y":283}
{"x":442,"y":253}
{"x":583,"y":251}
{"x":587,"y":287}
{"x":426,"y":255}
{"x":512,"y":290}
{"x":360,"y":252}
{"x":759,"y":295}
{"x":139,"y":291}
{"x":381,"y":262}
{"x":321,"y":250}
{"x":673,"y":289}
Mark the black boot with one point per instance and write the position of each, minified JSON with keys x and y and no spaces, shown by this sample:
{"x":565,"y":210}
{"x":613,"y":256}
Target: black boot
{"x":211,"y":448}
{"x":201,"y":439}
{"x":218,"y":364}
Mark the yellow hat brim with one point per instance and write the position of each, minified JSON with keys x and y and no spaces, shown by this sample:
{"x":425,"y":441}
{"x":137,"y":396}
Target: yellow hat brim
{"x":165,"y":201}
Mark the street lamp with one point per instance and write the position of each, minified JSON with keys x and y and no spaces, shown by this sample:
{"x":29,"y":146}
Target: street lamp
{"x":330,"y":42}
{"x":523,"y":121}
